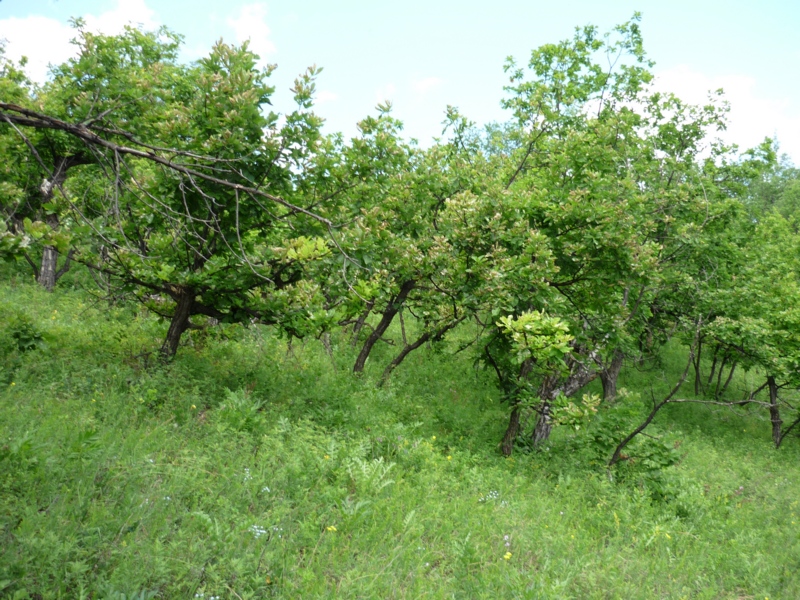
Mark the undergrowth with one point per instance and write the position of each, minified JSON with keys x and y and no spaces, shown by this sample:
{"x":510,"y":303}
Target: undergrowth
{"x":245,"y":469}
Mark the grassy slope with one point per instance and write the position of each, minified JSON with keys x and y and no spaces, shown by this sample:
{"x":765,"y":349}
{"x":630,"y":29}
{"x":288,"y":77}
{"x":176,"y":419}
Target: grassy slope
{"x":241,"y":472}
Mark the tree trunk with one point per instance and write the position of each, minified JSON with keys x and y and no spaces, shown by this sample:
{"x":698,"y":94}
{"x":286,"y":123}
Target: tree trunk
{"x":47,"y":270}
{"x":774,"y":411}
{"x":388,"y":316}
{"x":512,"y":431}
{"x":180,"y":323}
{"x":609,"y":375}
{"x":698,"y":383}
{"x":360,"y":323}
{"x":48,"y":273}
{"x":579,"y":376}
{"x":544,"y":424}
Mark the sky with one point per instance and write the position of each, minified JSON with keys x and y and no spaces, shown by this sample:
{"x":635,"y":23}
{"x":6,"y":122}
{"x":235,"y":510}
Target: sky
{"x":424,"y":55}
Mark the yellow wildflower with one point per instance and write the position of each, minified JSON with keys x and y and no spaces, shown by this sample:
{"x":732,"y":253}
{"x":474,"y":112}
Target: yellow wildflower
{"x":331,"y":528}
{"x":449,"y":458}
{"x":507,"y":556}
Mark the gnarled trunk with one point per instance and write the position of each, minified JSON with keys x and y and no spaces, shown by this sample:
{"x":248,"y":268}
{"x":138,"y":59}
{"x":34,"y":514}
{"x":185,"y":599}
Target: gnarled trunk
{"x":395,"y":304}
{"x":579,"y":376}
{"x":184,"y":302}
{"x":47,"y":268}
{"x":609,"y":375}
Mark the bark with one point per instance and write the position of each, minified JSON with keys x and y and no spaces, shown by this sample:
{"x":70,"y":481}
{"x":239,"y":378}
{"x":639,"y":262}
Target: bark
{"x":698,"y":382}
{"x":386,"y":319}
{"x":47,"y":269}
{"x":774,"y":412}
{"x":48,"y":272}
{"x":609,"y":375}
{"x":360,"y":323}
{"x":184,"y":302}
{"x":579,"y":376}
{"x":544,"y":425}
{"x":512,"y":431}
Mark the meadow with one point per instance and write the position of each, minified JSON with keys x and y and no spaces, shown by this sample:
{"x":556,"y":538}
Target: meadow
{"x":246,"y":468}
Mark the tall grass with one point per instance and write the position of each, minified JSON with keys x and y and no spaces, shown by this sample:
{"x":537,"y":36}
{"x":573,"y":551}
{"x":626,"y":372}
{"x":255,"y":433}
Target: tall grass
{"x":242,"y":470}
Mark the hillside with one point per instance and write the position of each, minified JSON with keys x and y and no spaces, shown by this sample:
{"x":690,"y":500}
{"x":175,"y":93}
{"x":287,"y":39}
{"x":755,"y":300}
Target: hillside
{"x":245,"y":469}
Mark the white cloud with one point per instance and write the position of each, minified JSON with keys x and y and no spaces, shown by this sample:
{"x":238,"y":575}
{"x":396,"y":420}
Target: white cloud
{"x":41,"y":39}
{"x":251,"y":25}
{"x":44,"y":40}
{"x":421,"y":86}
{"x":326,"y":96}
{"x":752,"y":117}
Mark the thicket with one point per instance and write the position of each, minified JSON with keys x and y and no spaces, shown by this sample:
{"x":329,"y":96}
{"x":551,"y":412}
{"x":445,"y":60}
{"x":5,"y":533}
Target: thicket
{"x":600,"y":232}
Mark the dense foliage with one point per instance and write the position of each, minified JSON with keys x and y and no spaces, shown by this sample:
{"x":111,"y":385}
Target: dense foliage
{"x":601,"y":230}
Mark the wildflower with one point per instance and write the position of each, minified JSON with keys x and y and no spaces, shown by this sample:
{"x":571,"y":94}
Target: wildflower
{"x":331,"y":528}
{"x":93,"y":400}
{"x":668,"y":536}
{"x":247,"y":476}
{"x":193,"y":407}
{"x":507,"y":540}
{"x":257,"y":531}
{"x":13,"y":384}
{"x":326,"y":457}
{"x":507,"y":556}
{"x":266,"y":490}
{"x":449,"y":458}
{"x":433,"y":438}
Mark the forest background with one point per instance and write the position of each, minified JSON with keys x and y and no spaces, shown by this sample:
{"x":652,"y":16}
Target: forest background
{"x":582,"y":319}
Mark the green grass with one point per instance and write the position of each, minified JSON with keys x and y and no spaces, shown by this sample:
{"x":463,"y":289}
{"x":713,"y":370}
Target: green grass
{"x":241,"y":471}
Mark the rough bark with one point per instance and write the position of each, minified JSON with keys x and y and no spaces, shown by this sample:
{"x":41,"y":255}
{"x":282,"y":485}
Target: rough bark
{"x":47,"y":268}
{"x":774,"y":412}
{"x":360,"y":323}
{"x":48,"y":272}
{"x":507,"y":445}
{"x":184,"y":302}
{"x":580,"y":375}
{"x":609,"y":375}
{"x":389,"y":313}
{"x":512,"y":431}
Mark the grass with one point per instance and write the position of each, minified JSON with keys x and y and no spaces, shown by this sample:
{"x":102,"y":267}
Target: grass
{"x":244,"y":471}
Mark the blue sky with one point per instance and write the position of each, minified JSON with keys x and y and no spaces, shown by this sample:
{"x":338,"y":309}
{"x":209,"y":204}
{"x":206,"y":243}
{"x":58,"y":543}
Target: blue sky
{"x":424,"y":55}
